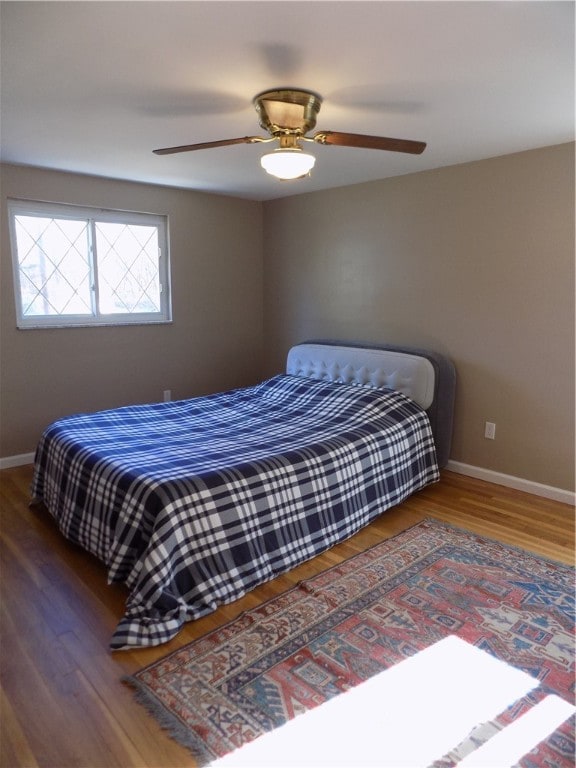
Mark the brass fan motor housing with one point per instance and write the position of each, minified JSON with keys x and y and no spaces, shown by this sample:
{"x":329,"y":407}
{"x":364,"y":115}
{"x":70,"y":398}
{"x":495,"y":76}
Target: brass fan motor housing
{"x":287,"y":111}
{"x":288,"y":114}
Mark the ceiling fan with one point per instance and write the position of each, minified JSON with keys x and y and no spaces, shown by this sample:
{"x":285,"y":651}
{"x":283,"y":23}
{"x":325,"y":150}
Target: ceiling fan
{"x":288,"y":115}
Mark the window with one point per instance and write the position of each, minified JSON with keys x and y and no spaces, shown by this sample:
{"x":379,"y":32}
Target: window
{"x":83,"y":266}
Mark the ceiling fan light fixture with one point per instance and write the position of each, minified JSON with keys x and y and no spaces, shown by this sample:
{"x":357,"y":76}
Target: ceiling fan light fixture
{"x":286,"y":164}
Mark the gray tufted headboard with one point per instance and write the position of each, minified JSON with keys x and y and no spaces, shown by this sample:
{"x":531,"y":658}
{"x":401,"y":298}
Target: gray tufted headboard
{"x":427,"y":377}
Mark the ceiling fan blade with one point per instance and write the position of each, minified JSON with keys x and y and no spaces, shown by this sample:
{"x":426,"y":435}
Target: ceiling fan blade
{"x":370,"y":142}
{"x":209,"y":145}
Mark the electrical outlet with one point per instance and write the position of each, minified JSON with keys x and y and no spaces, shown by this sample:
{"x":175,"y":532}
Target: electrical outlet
{"x":167,"y":394}
{"x":490,"y":430}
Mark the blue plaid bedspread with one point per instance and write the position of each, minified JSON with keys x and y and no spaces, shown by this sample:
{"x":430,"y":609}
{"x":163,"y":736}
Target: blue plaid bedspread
{"x":193,"y":503}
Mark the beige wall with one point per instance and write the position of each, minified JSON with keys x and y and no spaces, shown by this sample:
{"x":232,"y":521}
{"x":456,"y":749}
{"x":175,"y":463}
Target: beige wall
{"x":476,"y":261}
{"x":214,"y":342}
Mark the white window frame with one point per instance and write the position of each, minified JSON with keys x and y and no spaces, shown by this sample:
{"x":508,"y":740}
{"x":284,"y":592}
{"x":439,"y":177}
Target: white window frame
{"x":91,"y":216}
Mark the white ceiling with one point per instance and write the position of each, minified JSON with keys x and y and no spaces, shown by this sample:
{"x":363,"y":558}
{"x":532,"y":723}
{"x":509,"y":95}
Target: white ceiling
{"x":93,"y":87}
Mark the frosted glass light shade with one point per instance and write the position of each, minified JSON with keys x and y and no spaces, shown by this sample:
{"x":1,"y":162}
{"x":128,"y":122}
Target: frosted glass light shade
{"x":288,"y":163}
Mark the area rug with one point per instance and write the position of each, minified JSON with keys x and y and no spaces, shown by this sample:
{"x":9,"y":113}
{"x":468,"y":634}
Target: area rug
{"x":369,"y":619}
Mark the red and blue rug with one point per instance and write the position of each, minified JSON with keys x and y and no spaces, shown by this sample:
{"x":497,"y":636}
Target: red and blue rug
{"x":461,"y":612}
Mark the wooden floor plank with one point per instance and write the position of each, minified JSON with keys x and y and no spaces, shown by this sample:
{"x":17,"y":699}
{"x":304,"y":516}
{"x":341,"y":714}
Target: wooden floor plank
{"x":63,"y":702}
{"x":14,"y":747}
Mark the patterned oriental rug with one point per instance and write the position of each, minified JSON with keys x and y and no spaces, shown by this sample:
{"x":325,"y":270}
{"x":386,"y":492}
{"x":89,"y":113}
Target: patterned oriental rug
{"x":415,"y":640}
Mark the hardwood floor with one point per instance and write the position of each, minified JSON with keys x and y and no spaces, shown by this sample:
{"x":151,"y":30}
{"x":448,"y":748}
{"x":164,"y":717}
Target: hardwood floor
{"x":63,"y":703}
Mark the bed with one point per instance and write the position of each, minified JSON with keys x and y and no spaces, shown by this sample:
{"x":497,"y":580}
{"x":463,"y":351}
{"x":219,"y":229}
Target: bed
{"x":192,"y":503}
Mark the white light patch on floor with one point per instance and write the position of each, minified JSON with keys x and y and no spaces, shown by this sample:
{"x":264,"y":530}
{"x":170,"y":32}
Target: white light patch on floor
{"x":520,"y":737}
{"x":409,"y":715}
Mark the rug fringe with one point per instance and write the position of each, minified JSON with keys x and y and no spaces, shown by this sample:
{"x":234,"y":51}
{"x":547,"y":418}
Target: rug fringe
{"x":169,"y":722}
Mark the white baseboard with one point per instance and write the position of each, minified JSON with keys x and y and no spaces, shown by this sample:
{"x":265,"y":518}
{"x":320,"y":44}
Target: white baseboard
{"x":17,"y":461}
{"x":518,"y":483}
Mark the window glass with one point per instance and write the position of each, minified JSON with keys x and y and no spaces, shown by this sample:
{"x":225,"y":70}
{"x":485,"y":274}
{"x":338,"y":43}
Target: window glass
{"x":79,"y":266}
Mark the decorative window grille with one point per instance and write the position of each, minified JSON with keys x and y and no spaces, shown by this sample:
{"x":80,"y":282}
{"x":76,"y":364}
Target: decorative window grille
{"x":81,"y":266}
